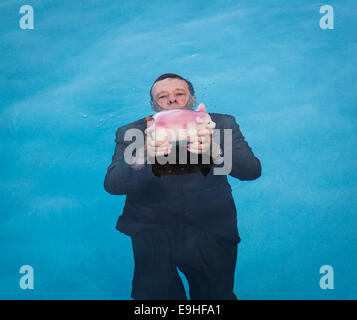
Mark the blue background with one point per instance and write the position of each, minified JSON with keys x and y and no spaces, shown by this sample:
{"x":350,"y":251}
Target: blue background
{"x":86,"y":69}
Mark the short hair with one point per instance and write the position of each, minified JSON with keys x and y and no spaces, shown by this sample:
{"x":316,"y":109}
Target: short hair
{"x":172,"y":76}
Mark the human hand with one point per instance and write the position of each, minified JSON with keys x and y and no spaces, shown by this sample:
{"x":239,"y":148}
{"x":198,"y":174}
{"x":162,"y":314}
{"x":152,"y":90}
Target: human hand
{"x":156,"y":147}
{"x":200,"y":143}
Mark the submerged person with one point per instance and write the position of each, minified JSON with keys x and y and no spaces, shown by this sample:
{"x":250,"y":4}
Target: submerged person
{"x":184,"y":218}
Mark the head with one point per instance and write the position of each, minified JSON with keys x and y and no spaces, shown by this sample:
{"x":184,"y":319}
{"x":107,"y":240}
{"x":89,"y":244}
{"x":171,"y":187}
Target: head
{"x":170,"y":91}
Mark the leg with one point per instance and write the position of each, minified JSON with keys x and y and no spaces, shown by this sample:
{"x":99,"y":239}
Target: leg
{"x":208,"y":262}
{"x":155,"y":274}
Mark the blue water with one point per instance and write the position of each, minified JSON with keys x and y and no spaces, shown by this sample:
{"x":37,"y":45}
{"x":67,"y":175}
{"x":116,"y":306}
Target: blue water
{"x":86,"y":68}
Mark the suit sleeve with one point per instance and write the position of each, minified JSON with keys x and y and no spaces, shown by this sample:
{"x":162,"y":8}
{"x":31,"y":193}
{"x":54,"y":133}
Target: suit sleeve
{"x":245,"y":166}
{"x":120,"y":177}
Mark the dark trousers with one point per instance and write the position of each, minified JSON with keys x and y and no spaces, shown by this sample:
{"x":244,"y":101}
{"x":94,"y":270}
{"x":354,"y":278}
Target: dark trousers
{"x":207,"y":260}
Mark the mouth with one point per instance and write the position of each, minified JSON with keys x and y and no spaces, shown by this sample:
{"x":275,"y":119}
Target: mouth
{"x":174,"y":106}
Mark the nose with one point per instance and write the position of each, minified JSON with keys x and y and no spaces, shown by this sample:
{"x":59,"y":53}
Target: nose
{"x":171,"y":99}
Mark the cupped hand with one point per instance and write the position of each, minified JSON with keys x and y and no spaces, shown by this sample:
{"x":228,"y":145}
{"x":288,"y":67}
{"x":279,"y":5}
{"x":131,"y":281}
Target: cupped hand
{"x":156,"y":147}
{"x":200,"y":143}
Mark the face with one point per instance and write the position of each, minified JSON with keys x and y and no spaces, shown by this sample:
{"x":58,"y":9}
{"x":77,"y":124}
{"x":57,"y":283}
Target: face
{"x":171,"y":93}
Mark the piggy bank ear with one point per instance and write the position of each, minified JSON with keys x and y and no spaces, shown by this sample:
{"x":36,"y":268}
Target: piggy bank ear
{"x":201,"y":108}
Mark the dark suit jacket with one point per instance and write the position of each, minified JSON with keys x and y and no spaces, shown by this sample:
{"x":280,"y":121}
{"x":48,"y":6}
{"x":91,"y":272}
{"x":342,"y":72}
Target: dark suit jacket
{"x":202,"y":200}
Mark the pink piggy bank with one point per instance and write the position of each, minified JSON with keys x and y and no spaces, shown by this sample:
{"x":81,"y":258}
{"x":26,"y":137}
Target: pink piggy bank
{"x":178,"y":124}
